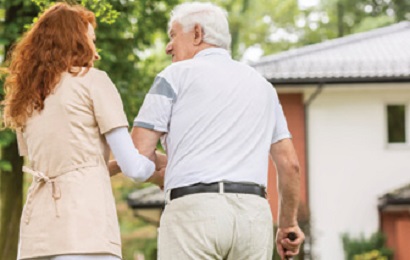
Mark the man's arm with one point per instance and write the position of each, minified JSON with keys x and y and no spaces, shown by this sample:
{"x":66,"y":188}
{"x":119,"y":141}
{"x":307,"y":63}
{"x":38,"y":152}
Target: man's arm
{"x":287,"y":165}
{"x":145,"y":140}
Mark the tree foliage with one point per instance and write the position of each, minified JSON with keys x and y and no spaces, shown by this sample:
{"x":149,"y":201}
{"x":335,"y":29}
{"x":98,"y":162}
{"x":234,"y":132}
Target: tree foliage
{"x":132,"y":53}
{"x":358,"y":248}
{"x":252,"y":23}
{"x":132,"y":48}
{"x":131,"y":37}
{"x":15,"y":15}
{"x":336,"y":18}
{"x":102,"y":8}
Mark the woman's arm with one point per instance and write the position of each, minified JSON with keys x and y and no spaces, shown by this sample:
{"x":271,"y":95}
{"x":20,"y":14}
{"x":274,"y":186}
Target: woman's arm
{"x":128,"y":159}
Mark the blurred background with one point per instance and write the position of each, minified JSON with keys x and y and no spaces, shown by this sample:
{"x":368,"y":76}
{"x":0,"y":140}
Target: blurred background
{"x":342,"y":71}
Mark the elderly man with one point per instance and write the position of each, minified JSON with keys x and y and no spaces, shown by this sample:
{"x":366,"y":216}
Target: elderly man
{"x":218,"y":120}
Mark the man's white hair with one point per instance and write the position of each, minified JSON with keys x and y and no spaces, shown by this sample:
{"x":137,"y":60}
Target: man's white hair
{"x":212,"y":19}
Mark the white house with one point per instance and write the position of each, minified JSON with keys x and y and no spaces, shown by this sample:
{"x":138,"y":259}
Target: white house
{"x":355,"y":142}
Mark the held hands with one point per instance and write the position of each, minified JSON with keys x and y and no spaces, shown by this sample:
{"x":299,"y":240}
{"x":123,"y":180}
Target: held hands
{"x":113,"y":168}
{"x":286,"y":247}
{"x":157,"y":177}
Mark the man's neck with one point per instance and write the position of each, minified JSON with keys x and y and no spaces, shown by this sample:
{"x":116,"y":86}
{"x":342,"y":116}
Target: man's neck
{"x":203,"y":46}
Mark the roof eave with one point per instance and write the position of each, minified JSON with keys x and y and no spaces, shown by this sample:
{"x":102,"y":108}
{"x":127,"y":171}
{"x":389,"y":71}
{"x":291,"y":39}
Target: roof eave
{"x":347,"y":80}
{"x":147,"y":205}
{"x":394,"y":204}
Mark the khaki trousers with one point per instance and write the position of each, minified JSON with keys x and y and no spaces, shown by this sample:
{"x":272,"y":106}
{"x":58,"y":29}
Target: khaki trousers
{"x":216,"y":226}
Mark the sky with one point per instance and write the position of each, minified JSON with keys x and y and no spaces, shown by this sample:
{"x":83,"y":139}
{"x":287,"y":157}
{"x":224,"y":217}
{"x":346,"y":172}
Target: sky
{"x":307,"y":3}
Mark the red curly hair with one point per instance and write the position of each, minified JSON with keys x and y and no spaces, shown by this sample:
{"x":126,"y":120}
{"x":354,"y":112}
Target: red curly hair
{"x":56,"y":43}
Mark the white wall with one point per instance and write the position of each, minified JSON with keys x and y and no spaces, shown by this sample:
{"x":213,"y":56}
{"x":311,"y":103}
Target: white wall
{"x":350,"y":163}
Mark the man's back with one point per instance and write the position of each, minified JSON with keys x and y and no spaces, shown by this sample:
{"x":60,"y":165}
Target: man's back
{"x":219,"y":121}
{"x":222,"y":120}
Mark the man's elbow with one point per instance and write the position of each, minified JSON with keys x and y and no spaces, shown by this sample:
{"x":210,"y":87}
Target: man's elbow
{"x":291,"y":167}
{"x":145,"y":141}
{"x":294,"y":166}
{"x":147,"y":152}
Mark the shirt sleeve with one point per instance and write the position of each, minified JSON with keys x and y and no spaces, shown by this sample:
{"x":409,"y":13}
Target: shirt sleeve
{"x":280,"y":130}
{"x":107,"y":104}
{"x":132,"y":163}
{"x":155,"y":112}
{"x":21,"y":142}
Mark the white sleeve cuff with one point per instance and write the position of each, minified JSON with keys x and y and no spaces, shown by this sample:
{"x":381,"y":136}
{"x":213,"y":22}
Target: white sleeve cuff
{"x":131,"y":162}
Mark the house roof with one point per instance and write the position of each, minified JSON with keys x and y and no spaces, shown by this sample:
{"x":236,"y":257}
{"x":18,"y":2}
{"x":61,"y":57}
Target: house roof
{"x":378,"y":55}
{"x":147,"y":198}
{"x":396,"y":197}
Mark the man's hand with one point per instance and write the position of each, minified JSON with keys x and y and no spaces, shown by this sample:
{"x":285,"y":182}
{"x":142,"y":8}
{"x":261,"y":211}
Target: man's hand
{"x":161,"y":160}
{"x":284,"y":245}
{"x":284,"y":155}
{"x":157,"y":177}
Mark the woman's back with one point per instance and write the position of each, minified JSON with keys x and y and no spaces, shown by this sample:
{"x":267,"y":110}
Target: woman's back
{"x":71,"y":192}
{"x":68,"y":131}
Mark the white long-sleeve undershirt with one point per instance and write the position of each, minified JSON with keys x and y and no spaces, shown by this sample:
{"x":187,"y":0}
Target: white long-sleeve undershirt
{"x":131,"y":162}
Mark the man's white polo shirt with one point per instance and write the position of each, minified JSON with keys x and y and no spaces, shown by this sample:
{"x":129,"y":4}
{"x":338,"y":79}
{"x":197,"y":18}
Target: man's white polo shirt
{"x":220,"y":118}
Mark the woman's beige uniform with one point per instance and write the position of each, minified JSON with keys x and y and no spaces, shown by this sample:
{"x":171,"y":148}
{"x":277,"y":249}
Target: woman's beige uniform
{"x":70,"y":207}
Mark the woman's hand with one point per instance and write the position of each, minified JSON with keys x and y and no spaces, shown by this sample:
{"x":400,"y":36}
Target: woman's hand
{"x":113,"y":168}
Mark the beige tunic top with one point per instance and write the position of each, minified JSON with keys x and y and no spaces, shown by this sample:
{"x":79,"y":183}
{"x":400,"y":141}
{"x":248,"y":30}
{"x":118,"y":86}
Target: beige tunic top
{"x":70,"y":207}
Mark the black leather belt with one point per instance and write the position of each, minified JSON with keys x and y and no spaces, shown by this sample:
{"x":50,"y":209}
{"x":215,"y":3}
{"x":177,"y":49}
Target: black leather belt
{"x":219,"y":187}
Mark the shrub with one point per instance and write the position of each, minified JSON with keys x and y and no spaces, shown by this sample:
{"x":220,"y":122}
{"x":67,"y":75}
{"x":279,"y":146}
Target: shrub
{"x":372,"y":255}
{"x":372,"y":248}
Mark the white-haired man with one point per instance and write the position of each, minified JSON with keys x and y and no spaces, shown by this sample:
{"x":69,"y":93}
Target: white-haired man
{"x":218,"y":120}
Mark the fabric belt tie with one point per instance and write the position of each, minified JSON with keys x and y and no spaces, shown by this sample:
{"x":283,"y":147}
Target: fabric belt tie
{"x":219,"y":187}
{"x":40,"y":179}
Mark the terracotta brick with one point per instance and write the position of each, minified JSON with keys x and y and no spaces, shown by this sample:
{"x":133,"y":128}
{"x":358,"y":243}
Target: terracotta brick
{"x":293,"y":108}
{"x":396,"y":227}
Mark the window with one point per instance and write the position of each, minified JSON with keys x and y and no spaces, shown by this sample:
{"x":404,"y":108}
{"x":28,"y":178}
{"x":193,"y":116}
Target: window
{"x":396,"y":123}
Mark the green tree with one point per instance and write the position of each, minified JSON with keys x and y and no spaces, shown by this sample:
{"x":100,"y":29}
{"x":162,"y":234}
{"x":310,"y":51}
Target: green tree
{"x":252,"y":23}
{"x":133,"y":48}
{"x":16,"y":14}
{"x":130,"y":52}
{"x":336,"y":18}
{"x":359,"y":248}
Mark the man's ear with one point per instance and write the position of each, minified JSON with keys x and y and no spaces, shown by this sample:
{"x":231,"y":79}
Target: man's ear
{"x":198,"y":34}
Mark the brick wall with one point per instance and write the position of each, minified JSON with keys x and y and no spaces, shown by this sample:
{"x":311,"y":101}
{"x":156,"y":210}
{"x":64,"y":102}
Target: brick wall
{"x":294,"y":111}
{"x":396,"y":227}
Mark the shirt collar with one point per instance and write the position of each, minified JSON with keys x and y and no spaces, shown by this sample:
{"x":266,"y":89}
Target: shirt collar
{"x":212,"y":51}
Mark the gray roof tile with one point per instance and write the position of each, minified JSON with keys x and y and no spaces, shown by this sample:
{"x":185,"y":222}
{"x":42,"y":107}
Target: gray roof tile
{"x":379,"y":53}
{"x":149,"y":197}
{"x":400,"y":196}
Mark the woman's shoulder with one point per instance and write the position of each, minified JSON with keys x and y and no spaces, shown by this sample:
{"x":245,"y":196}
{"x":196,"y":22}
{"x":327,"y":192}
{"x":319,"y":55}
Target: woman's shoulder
{"x":94,"y":73}
{"x":83,"y":72}
{"x":89,"y":75}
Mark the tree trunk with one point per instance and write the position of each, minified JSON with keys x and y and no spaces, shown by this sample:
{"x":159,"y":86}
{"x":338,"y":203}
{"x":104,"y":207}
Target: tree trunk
{"x":235,"y":31}
{"x":401,"y":7}
{"x":340,"y":16}
{"x":11,"y":182}
{"x":11,"y":201}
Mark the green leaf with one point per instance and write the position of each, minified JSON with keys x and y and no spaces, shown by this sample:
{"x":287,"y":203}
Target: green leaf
{"x":5,"y":166}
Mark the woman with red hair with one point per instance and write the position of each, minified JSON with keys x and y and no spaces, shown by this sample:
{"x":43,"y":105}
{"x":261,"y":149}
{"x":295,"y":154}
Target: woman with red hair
{"x":67,"y":116}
